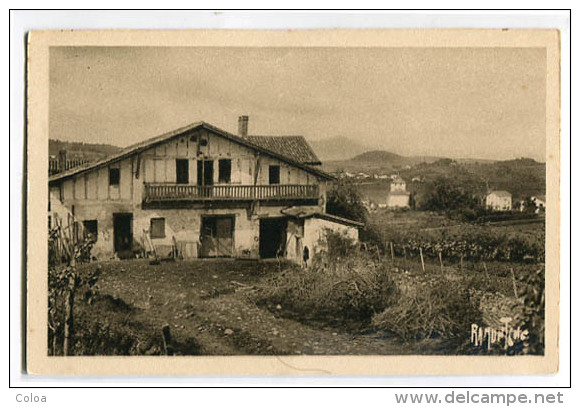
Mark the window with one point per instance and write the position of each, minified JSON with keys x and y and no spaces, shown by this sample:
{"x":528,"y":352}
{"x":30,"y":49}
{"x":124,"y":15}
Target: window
{"x":157,"y":229}
{"x":114,"y":176}
{"x":91,"y":230}
{"x":274,"y":174}
{"x":225,"y":171}
{"x":182,"y":171}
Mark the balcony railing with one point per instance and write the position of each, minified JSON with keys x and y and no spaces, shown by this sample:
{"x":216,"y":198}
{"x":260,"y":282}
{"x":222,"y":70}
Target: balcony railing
{"x":175,"y":192}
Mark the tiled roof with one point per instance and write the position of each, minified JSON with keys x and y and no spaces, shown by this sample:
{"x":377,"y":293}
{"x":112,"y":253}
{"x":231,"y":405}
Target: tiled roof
{"x":294,"y":147}
{"x":152,"y":142}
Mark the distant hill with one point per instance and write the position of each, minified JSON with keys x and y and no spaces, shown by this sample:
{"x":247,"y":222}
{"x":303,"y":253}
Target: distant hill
{"x":88,"y":151}
{"x":336,"y":148}
{"x":380,"y":156}
{"x":376,"y":160}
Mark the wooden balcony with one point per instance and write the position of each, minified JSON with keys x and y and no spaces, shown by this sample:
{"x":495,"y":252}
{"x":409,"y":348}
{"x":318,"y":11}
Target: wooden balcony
{"x":193,"y":193}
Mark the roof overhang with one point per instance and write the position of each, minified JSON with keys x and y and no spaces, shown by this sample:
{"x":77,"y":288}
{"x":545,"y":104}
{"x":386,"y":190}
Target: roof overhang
{"x":302,"y":213}
{"x":155,"y":141}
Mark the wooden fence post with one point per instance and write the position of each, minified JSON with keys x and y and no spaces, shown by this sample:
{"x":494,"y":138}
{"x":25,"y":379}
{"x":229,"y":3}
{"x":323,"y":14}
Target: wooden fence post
{"x":405,"y":257}
{"x":485,"y":269}
{"x":378,"y":253}
{"x":514,"y":282}
{"x":392,"y":254}
{"x":422,"y":260}
{"x":441,"y":260}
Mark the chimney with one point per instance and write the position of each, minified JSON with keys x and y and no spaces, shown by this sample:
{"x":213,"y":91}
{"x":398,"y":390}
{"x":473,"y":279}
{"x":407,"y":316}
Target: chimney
{"x":243,"y":126}
{"x":62,"y":160}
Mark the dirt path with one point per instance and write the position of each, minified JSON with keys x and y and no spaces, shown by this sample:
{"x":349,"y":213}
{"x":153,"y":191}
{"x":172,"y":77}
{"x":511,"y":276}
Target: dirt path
{"x":208,"y":301}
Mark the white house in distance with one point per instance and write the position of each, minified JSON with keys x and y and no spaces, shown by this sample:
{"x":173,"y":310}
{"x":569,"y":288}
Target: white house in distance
{"x":398,"y":195}
{"x":499,"y":201}
{"x":202,"y":192}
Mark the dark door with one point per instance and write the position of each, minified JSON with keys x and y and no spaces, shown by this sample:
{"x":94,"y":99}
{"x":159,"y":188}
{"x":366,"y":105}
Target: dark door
{"x":274,"y":174}
{"x":122,"y":231}
{"x":205,"y":177}
{"x":182,"y":171}
{"x":225,"y":171}
{"x":272,"y":237}
{"x":205,"y":172}
{"x":217,"y":236}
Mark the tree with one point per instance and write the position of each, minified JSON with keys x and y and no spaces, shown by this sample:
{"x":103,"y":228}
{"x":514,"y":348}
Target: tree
{"x":344,"y":200}
{"x":529,"y":205}
{"x":445,"y":195}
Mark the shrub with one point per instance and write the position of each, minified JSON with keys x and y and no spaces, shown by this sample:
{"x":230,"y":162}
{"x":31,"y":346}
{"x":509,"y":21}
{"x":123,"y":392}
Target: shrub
{"x":532,"y":290}
{"x":429,"y":307}
{"x":342,"y":285}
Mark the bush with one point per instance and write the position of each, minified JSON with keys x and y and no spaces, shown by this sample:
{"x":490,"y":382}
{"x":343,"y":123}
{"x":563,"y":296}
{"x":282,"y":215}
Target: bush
{"x":342,"y":285}
{"x":532,"y":290}
{"x":430,"y":307}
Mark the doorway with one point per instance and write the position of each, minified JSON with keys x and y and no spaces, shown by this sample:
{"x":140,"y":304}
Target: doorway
{"x":205,"y":177}
{"x":205,"y":172}
{"x":123,"y":233}
{"x":217,"y":236}
{"x":273,"y":237}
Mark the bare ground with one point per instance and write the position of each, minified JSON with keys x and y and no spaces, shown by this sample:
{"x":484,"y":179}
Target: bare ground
{"x":207,"y":302}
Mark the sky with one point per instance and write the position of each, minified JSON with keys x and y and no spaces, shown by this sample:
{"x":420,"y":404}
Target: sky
{"x":449,"y":102}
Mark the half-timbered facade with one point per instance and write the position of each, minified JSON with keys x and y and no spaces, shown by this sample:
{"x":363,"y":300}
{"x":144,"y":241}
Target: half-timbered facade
{"x":200,"y":191}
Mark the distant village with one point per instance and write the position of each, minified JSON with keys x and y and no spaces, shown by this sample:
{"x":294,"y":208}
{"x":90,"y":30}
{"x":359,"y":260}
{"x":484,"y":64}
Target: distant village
{"x":398,"y":197}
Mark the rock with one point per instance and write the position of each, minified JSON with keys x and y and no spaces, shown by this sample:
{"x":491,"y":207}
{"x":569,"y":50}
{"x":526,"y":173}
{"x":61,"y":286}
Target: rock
{"x":334,"y":334}
{"x":278,"y":306}
{"x":228,"y":331}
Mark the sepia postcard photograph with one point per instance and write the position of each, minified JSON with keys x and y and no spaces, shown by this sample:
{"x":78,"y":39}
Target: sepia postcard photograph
{"x":349,"y":202}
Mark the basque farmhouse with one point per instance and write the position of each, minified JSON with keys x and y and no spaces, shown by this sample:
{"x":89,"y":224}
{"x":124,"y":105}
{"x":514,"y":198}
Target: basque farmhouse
{"x":200,"y":192}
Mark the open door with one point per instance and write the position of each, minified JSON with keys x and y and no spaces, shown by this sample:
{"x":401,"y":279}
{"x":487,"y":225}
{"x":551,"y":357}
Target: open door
{"x":273,"y":237}
{"x":123,"y":234}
